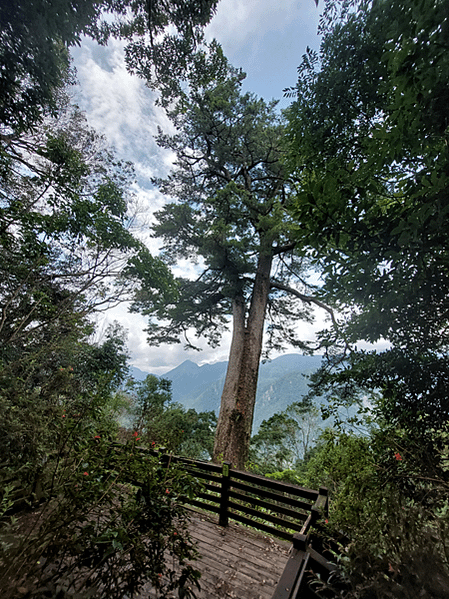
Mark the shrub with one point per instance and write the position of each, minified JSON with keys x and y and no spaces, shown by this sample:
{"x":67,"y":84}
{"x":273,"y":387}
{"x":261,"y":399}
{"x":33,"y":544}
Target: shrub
{"x":111,"y":525}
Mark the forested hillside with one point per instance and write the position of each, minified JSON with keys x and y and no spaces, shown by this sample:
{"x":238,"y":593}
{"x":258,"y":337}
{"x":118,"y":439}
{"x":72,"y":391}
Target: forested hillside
{"x":282,"y":382}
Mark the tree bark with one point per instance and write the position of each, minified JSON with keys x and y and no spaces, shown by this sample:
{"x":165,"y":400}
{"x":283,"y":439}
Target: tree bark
{"x":235,"y":421}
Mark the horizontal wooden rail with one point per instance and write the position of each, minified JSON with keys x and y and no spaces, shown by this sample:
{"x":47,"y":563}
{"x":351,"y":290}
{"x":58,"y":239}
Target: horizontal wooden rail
{"x":269,"y":483}
{"x":274,"y":507}
{"x":275,"y":497}
{"x":294,"y":514}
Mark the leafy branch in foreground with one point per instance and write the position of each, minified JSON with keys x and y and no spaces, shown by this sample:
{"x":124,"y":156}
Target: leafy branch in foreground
{"x":112,"y":525}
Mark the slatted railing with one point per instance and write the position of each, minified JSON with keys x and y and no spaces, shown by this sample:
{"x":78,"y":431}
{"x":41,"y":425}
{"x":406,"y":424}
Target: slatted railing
{"x":280,"y":509}
{"x":277,"y":508}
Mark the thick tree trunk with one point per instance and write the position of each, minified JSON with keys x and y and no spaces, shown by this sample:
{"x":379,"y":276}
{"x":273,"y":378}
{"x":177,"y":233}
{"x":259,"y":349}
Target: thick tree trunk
{"x":239,"y":393}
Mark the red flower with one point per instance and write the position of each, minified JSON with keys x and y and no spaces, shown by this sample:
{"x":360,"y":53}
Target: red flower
{"x":97,"y":437}
{"x":398,"y":457}
{"x":167,"y":491}
{"x":85,"y":473}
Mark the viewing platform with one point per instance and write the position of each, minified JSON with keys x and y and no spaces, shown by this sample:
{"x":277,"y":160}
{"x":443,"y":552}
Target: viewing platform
{"x":236,"y":562}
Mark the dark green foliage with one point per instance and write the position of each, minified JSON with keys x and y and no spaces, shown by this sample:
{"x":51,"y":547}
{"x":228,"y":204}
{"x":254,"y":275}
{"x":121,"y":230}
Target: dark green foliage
{"x":110,"y":528}
{"x":368,"y":135}
{"x":390,"y":501}
{"x":35,"y":38}
{"x":163,"y":423}
{"x":56,"y":395}
{"x":108,"y":513}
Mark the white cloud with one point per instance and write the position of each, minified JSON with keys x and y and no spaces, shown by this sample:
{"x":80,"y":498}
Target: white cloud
{"x":238,"y":21}
{"x":121,"y":107}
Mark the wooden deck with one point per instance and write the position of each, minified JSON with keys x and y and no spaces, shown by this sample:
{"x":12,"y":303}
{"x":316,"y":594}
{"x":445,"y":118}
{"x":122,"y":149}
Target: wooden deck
{"x":236,"y":562}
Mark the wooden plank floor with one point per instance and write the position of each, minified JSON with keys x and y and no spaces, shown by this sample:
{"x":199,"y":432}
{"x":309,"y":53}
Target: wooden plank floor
{"x":236,"y":562}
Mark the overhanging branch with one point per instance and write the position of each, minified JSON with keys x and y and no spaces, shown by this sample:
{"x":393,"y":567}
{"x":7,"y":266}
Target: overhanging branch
{"x":308,"y":299}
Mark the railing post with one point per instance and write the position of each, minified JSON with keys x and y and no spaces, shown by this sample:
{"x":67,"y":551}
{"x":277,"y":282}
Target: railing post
{"x":164,"y":458}
{"x":321,"y":507}
{"x":224,"y":495}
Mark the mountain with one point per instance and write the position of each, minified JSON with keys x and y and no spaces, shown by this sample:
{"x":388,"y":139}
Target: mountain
{"x":282,"y":381}
{"x":137,"y":374}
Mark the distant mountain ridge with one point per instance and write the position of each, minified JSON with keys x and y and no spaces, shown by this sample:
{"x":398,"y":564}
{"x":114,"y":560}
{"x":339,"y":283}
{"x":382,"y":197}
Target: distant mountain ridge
{"x":282,"y":381}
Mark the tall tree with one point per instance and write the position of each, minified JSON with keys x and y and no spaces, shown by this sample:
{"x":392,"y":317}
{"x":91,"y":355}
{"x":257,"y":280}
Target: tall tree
{"x":369,"y":144}
{"x":230,"y":219}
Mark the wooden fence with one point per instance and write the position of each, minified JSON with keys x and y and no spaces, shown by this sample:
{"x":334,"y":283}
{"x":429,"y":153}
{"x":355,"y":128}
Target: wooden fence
{"x":277,"y":508}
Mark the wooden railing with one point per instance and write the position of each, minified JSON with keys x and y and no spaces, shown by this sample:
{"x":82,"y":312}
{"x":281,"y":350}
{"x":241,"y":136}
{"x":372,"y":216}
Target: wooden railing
{"x":277,"y":508}
{"x":305,"y":565}
{"x":280,"y":509}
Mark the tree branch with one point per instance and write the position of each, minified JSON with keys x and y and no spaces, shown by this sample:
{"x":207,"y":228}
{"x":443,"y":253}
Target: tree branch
{"x":308,"y":299}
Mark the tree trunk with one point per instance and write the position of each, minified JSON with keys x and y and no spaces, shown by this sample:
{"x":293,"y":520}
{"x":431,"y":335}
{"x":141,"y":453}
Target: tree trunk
{"x":239,"y":392}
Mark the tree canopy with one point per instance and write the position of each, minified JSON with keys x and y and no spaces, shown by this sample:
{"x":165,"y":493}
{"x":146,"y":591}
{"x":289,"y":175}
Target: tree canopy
{"x":368,"y":134}
{"x":65,"y":238}
{"x":35,"y":38}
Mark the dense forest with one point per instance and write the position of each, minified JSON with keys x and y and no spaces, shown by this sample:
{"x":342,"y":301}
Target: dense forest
{"x":349,"y":182}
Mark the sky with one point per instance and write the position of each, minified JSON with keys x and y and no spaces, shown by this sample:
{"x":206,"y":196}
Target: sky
{"x":267,"y":40}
